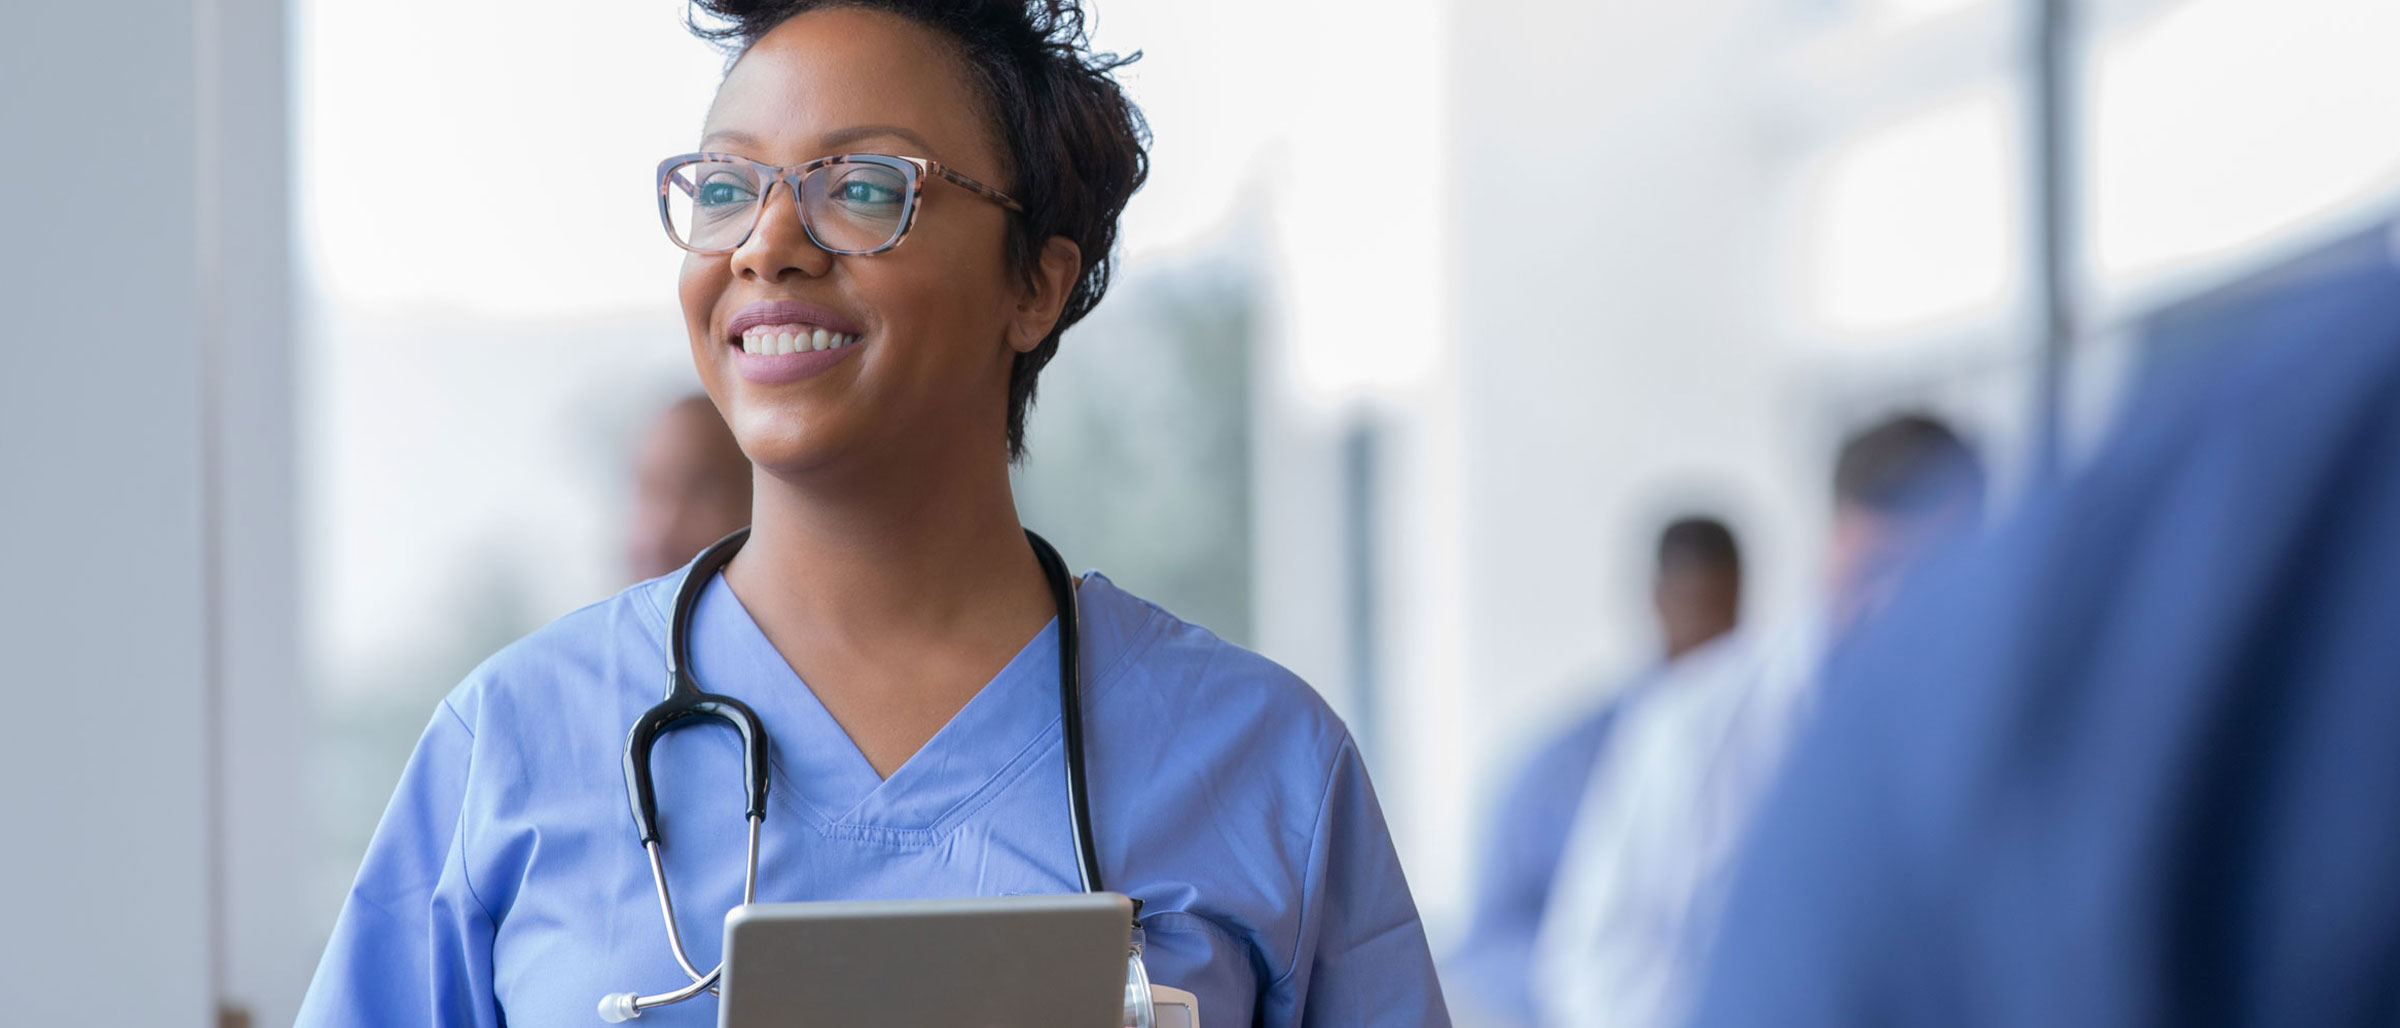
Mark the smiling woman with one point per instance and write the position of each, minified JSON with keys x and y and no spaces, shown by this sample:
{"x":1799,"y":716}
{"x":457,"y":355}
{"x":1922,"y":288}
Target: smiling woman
{"x":894,"y":211}
{"x":932,"y":79}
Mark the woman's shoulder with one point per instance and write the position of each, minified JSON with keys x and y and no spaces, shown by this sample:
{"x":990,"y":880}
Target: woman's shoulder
{"x":1149,"y":663}
{"x":610,"y":645}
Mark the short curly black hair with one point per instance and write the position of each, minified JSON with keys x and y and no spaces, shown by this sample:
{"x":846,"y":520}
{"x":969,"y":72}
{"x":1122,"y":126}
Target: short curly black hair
{"x":1076,"y":147}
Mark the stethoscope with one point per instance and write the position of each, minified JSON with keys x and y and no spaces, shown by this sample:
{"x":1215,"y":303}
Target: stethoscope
{"x":687,"y":704}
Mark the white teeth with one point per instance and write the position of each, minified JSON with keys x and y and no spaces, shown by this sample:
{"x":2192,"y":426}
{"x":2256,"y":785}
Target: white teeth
{"x":766,"y":341}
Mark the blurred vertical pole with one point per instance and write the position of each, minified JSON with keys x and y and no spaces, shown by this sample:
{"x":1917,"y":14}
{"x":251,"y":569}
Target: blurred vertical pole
{"x":1360,"y":644}
{"x":2052,"y":135}
{"x":266,"y":928}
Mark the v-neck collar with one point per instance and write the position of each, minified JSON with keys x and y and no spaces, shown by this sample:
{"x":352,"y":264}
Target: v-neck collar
{"x":819,"y":772}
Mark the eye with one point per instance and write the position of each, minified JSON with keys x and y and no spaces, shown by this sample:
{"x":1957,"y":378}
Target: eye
{"x":866,"y":191}
{"x":723,"y":189}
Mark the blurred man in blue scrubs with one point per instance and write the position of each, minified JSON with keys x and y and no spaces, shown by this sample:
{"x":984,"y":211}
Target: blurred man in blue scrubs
{"x":1697,"y":592}
{"x":1645,"y":863}
{"x":2134,"y":760}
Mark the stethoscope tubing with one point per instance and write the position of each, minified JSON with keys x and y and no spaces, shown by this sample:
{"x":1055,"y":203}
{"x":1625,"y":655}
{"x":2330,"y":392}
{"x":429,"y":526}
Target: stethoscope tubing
{"x":686,"y":704}
{"x":1070,"y":708}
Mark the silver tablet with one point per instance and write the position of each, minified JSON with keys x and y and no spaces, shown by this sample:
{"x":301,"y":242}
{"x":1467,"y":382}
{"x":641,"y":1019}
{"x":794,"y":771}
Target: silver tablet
{"x":1003,"y":962}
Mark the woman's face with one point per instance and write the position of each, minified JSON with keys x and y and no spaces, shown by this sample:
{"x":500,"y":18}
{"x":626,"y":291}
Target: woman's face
{"x":938,"y":319}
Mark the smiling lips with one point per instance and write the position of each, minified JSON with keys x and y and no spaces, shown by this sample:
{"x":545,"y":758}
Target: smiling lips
{"x":793,"y":338}
{"x":786,"y":340}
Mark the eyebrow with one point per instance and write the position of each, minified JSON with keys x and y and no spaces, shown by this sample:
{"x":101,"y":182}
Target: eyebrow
{"x":831,"y":142}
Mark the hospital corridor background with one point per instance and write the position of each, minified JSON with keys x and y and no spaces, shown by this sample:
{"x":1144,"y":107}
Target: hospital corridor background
{"x":1715,"y":455}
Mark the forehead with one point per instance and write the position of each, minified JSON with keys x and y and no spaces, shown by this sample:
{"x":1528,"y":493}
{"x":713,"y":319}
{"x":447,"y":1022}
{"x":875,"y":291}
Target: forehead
{"x":805,"y":89}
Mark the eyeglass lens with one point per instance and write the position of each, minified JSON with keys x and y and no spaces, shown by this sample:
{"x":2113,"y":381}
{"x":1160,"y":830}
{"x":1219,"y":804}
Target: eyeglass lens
{"x":851,"y":207}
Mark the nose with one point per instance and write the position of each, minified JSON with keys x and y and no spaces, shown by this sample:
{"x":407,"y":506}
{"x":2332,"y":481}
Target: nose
{"x":780,"y":245}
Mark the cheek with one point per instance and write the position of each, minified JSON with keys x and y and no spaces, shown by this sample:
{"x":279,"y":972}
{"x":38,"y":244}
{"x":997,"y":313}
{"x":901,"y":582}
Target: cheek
{"x":935,"y":303}
{"x":970,"y":294}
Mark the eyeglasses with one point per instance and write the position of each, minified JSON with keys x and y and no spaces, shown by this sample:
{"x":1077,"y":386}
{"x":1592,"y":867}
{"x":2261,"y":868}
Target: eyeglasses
{"x":851,"y":204}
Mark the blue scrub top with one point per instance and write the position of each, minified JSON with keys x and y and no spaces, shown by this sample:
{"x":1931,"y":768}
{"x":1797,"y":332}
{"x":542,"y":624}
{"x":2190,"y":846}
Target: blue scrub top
{"x":506,"y":884}
{"x":2134,"y":761}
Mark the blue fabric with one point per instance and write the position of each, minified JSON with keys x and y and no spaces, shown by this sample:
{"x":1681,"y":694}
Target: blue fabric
{"x":1491,"y":971}
{"x":2134,"y":761}
{"x":505,"y":883}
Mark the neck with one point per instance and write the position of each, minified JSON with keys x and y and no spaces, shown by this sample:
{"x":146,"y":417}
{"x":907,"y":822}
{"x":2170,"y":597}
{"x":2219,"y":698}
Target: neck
{"x":932,"y":553}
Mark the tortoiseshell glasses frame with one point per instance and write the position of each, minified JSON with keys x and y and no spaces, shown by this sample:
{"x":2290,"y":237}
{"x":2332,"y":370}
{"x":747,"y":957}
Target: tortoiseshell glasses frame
{"x":836,"y":225}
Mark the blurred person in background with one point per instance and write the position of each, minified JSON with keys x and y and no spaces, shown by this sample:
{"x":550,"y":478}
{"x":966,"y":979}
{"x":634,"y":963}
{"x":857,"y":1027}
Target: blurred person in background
{"x":896,"y":209}
{"x":691,"y":486}
{"x":1696,"y":590}
{"x":1697,"y":587}
{"x":2131,"y":760}
{"x":1644,"y":868}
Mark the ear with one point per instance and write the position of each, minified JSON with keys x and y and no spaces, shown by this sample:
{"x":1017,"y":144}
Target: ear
{"x":1038,"y":309}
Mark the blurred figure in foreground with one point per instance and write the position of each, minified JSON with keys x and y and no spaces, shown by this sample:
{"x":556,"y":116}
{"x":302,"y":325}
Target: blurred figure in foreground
{"x":691,"y":486}
{"x":1645,"y":864}
{"x":1697,"y":592}
{"x":2132,"y":761}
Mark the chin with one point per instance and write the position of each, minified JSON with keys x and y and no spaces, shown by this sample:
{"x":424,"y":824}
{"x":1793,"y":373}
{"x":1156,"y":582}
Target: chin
{"x":788,"y":444}
{"x":777,"y":442}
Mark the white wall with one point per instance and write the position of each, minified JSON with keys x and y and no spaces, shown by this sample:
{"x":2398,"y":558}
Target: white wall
{"x":1615,"y":360}
{"x":103,"y":878}
{"x":1359,"y":330}
{"x":1596,"y":208}
{"x":144,"y":461}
